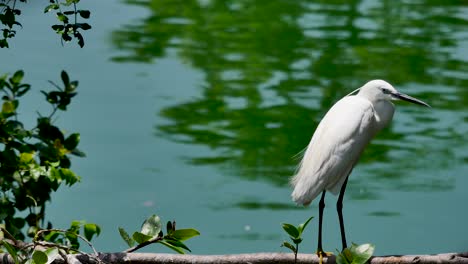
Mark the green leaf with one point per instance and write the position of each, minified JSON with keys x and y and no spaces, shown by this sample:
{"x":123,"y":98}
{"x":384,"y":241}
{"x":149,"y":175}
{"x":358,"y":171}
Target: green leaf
{"x":17,"y":128}
{"x":302,"y":226}
{"x":72,"y":86}
{"x":39,"y":257}
{"x":288,"y":245}
{"x":11,"y":250}
{"x":152,"y":226}
{"x":8,"y":17}
{"x":184,"y":234}
{"x":72,"y":141}
{"x":297,"y":240}
{"x":72,"y":235}
{"x":32,"y":230}
{"x":291,"y":230}
{"x":75,"y":225}
{"x":70,"y":2}
{"x":341,"y":259}
{"x":355,"y":254}
{"x":48,"y":132}
{"x":126,"y":237}
{"x":58,"y":28}
{"x":52,"y":254}
{"x":51,"y":7}
{"x":18,"y":222}
{"x":84,"y":26}
{"x":90,"y":230}
{"x":52,"y":236}
{"x":80,"y":39}
{"x":344,"y":257}
{"x":4,"y":42}
{"x":68,"y":176}
{"x":8,"y":107}
{"x":26,"y":158}
{"x":63,"y":18}
{"x":140,"y":237}
{"x":17,"y":77}
{"x":22,"y":89}
{"x":78,"y":153}
{"x":362,"y":253}
{"x":177,"y":243}
{"x":176,"y":249}
{"x":84,"y":13}
{"x":65,"y":78}
{"x":170,"y":228}
{"x":66,"y":37}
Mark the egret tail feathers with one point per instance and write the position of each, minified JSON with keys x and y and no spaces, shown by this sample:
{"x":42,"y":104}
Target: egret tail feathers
{"x":304,"y":193}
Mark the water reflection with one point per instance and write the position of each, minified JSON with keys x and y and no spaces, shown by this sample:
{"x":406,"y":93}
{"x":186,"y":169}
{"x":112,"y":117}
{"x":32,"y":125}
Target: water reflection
{"x":253,"y":205}
{"x":251,"y":236}
{"x":272,"y":68}
{"x":384,"y":213}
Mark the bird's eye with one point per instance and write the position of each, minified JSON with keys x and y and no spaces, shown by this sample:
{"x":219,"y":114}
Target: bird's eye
{"x":385,"y":90}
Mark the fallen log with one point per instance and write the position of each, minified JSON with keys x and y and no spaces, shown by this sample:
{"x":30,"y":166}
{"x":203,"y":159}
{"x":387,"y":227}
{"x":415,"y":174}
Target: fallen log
{"x":254,"y":258}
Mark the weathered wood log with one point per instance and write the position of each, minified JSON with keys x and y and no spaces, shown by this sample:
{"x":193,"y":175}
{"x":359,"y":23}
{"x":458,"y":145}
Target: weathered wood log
{"x":254,"y":258}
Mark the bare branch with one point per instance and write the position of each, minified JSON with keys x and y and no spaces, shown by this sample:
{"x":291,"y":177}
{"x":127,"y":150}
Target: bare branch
{"x":256,"y":258}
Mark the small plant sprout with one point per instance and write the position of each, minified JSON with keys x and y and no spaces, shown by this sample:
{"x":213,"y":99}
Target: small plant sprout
{"x":356,"y":254}
{"x":151,"y":232}
{"x":295,"y":234}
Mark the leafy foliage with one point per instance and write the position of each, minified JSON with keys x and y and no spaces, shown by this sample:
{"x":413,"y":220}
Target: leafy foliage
{"x":67,"y":14}
{"x":66,"y":29}
{"x":69,"y":237}
{"x":356,"y":254}
{"x":48,"y":244}
{"x":295,"y":234}
{"x":8,"y":18}
{"x":33,"y":162}
{"x":151,"y":232}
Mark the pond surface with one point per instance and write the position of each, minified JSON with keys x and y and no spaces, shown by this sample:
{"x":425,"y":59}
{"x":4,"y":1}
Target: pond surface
{"x":195,"y":110}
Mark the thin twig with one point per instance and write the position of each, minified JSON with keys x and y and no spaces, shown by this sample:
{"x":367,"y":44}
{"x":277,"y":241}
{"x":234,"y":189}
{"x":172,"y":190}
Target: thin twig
{"x":53,"y":112}
{"x":10,"y":236}
{"x":67,"y":231}
{"x":144,"y":244}
{"x":55,"y":85}
{"x":60,"y":10}
{"x":74,"y":6}
{"x":51,"y":245}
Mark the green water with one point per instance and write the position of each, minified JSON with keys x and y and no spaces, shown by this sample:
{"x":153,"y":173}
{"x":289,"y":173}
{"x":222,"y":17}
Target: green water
{"x":194,"y":110}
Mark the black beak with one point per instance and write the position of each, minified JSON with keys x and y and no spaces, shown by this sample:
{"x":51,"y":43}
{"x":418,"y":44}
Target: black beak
{"x":410,"y":99}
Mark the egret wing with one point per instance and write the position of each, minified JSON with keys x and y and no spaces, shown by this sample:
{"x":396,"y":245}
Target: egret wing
{"x":334,"y":148}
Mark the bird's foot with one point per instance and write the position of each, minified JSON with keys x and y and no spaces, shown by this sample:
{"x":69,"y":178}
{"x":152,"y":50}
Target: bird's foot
{"x":321,"y":254}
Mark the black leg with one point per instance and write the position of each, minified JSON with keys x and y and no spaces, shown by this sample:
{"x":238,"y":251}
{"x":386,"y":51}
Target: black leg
{"x":321,"y":207}
{"x":339,"y":208}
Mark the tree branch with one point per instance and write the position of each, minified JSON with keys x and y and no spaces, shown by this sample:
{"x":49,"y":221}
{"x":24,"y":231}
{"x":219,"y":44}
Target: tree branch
{"x":144,"y":244}
{"x":256,"y":258}
{"x":40,"y":232}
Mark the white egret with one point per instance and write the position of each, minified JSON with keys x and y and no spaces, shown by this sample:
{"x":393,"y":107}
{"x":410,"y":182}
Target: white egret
{"x":337,"y":143}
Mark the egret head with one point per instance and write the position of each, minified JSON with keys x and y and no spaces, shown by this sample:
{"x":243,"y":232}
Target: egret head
{"x":377,"y":90}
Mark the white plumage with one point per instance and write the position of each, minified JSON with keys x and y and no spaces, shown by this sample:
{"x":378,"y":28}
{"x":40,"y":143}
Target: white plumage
{"x":338,"y":142}
{"x":340,"y":138}
{"x":334,"y":149}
